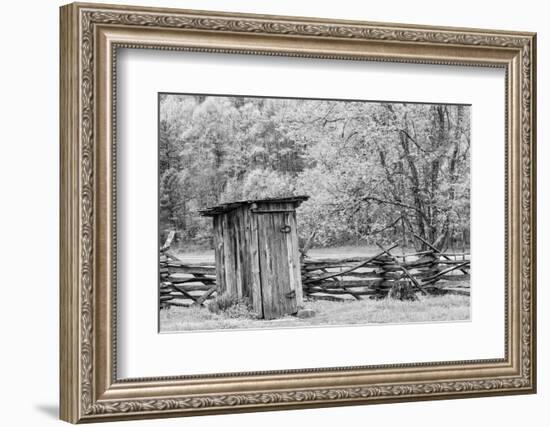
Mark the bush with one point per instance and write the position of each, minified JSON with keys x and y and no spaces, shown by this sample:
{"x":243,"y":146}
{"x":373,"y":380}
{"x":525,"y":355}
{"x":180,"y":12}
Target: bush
{"x":231,"y":306}
{"x":402,"y":291}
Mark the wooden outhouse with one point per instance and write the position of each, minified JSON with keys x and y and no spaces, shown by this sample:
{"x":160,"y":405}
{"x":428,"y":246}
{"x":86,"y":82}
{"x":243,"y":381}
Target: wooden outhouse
{"x":257,"y":257}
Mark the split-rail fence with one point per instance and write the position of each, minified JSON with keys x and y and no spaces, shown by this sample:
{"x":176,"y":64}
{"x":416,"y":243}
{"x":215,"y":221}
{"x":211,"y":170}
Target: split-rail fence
{"x":404,"y":276}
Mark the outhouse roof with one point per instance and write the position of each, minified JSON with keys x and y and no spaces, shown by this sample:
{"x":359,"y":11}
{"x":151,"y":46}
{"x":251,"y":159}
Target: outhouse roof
{"x":227,"y":207}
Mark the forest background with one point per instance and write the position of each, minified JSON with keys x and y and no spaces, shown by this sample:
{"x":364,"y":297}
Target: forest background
{"x":374,"y":171}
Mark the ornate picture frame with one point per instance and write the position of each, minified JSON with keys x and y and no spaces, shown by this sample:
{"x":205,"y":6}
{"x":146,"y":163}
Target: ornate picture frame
{"x":90,"y":37}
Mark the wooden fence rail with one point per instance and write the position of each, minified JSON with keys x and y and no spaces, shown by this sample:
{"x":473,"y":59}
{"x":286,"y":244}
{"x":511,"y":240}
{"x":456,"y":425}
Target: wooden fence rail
{"x":429,"y":272}
{"x":185,"y":284}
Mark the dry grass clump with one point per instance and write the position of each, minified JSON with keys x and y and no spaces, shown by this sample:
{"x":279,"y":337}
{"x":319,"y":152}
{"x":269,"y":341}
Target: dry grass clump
{"x":231,"y":307}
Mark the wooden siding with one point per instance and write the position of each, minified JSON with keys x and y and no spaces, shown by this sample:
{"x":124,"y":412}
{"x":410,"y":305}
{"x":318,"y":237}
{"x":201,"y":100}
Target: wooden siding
{"x":279,"y":278}
{"x":219,"y":254}
{"x":256,"y":259}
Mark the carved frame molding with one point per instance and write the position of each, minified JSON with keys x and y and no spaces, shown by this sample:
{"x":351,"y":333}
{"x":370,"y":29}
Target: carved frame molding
{"x":90,"y":35}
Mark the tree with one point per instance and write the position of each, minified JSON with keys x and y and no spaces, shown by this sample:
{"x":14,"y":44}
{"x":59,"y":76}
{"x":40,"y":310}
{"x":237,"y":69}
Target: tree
{"x":373,"y":171}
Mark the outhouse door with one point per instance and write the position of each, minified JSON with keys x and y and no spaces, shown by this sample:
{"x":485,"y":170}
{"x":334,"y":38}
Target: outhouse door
{"x":279,"y":261}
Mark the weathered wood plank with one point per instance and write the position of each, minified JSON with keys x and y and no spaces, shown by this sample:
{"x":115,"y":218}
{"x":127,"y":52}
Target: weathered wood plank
{"x":179,"y":280}
{"x":256,"y":283}
{"x":280,"y":274}
{"x":177,"y":261}
{"x":361,"y":264}
{"x":184,"y":292}
{"x":245,"y":253}
{"x":294,"y":248}
{"x":451,"y":283}
{"x":229,"y":263}
{"x":446,"y":256}
{"x":195,"y":287}
{"x":175,"y":268}
{"x":433,"y":278}
{"x":328,"y":297}
{"x":322,"y":266}
{"x":456,"y":278}
{"x":353,"y":274}
{"x":405,"y":271}
{"x":237,"y":248}
{"x":178,"y":304}
{"x":345,"y":292}
{"x":265,"y":267}
{"x":204,"y":296}
{"x":293,"y":269}
{"x":219,"y":254}
{"x":351,"y":283}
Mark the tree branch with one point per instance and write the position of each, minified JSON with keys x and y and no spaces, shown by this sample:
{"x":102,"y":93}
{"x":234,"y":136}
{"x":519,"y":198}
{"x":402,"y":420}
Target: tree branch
{"x":392,"y":224}
{"x":404,"y":132}
{"x":390,"y":202}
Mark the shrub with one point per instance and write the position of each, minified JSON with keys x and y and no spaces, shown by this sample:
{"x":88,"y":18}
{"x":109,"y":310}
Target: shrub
{"x":240,"y":310}
{"x":402,"y":291}
{"x":231,"y":306}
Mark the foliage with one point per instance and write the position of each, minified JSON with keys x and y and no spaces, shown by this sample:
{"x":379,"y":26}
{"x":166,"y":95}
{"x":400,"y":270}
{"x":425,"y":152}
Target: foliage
{"x":373,"y":171}
{"x":231,"y":306}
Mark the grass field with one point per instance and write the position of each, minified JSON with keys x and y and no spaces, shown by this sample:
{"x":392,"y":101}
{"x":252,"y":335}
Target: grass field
{"x":351,"y":312}
{"x":191,"y":254}
{"x":428,"y":309}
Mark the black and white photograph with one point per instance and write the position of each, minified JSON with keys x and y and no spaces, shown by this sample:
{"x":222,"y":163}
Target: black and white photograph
{"x":286,"y":212}
{"x":266,"y":214}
